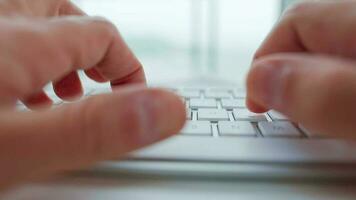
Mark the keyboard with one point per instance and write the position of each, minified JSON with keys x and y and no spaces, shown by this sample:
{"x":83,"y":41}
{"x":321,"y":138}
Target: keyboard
{"x":221,"y":112}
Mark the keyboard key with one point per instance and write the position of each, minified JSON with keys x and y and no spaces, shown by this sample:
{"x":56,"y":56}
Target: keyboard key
{"x":189,"y":114}
{"x":87,"y":91}
{"x":276,"y":116}
{"x":239,"y":94}
{"x":189,"y":93}
{"x":312,"y":134}
{"x":217,"y":94}
{"x":278,"y":129}
{"x":97,"y":91}
{"x":21,"y":107}
{"x":197,"y":128}
{"x":233,"y":103}
{"x":202,"y":103}
{"x":246,"y":115}
{"x":56,"y":100}
{"x":236,"y":129}
{"x":220,"y":89}
{"x":212,"y":114}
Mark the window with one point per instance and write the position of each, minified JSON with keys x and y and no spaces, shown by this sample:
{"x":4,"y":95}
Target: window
{"x":177,"y":38}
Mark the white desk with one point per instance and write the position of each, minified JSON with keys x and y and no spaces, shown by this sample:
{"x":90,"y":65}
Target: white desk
{"x":100,"y":188}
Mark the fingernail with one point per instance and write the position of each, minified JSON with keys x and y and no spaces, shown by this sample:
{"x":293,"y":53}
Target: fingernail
{"x":161,"y":114}
{"x":268,"y":84}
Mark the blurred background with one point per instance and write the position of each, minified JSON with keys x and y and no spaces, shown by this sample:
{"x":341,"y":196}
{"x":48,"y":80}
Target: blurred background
{"x":177,"y":39}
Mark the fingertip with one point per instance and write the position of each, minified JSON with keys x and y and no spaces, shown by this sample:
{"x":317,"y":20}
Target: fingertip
{"x":135,"y":77}
{"x":38,"y":101}
{"x":252,"y":79}
{"x":95,"y":75}
{"x":69,"y":88}
{"x":148,"y":115}
{"x":172,"y":111}
{"x":254,"y":107}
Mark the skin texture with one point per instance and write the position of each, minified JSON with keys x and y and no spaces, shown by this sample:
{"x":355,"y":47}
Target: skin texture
{"x":43,"y":41}
{"x":306,"y":68}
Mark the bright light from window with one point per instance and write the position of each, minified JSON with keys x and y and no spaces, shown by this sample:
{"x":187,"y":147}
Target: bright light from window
{"x":178,"y":38}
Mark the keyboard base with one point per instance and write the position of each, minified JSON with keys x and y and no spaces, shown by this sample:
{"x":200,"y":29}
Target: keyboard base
{"x":223,"y":171}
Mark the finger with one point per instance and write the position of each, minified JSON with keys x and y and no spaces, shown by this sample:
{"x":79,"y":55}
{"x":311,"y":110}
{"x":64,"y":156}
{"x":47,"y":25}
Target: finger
{"x":39,"y":8}
{"x":317,"y":91}
{"x":96,"y":42}
{"x":317,"y":26}
{"x":136,"y":77}
{"x":99,"y":128}
{"x":38,"y":100}
{"x":69,"y":8}
{"x":69,"y":88}
{"x":95,"y":75}
{"x":255,"y":107}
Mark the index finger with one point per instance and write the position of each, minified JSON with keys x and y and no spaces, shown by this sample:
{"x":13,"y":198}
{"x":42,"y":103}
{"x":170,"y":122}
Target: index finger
{"x":316,"y":27}
{"x":66,"y":44}
{"x":99,"y":46}
{"x":68,"y":8}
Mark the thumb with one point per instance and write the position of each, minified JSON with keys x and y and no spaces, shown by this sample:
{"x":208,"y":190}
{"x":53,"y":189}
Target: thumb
{"x":319,"y":92}
{"x":102,"y":127}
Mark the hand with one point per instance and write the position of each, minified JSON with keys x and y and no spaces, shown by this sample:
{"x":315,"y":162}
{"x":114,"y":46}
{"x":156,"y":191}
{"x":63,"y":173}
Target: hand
{"x":306,"y":68}
{"x":39,"y":45}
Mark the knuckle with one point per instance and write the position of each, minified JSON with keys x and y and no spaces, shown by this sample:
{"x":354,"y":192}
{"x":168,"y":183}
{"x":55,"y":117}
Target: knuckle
{"x":101,"y":130}
{"x":322,"y":102}
{"x":106,"y":26}
{"x":288,"y":85}
{"x":82,"y":131}
{"x":58,"y":3}
{"x":43,"y":53}
{"x":30,"y":56}
{"x":91,"y":130}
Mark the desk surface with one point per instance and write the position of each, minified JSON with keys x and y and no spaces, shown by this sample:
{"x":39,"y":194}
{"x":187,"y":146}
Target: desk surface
{"x":99,"y":188}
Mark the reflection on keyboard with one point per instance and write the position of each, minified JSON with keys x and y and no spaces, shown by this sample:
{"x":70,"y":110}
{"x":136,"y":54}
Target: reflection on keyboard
{"x":221,"y":112}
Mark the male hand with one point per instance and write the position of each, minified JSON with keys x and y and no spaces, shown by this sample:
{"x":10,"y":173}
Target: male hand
{"x":41,"y":43}
{"x":306,"y":68}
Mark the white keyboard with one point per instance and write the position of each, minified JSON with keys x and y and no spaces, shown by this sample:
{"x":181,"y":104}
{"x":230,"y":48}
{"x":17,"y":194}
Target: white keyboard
{"x":221,"y":112}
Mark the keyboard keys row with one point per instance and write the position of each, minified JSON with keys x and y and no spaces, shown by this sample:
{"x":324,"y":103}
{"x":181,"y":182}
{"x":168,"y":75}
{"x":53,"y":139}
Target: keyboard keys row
{"x":218,"y":94}
{"x":278,"y":129}
{"x":211,"y":93}
{"x":276,"y":116}
{"x":231,"y":128}
{"x":203,"y":103}
{"x":246,"y":115}
{"x":197,"y":128}
{"x":236,"y":129}
{"x":212,"y":103}
{"x":213,"y":114}
{"x":233,"y":103}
